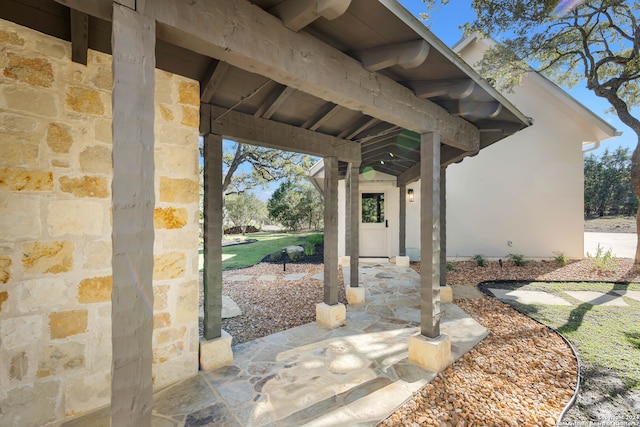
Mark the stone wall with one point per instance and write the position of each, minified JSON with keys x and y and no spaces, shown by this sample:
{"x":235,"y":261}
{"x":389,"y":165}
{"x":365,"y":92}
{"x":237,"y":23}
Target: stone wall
{"x":55,"y":229}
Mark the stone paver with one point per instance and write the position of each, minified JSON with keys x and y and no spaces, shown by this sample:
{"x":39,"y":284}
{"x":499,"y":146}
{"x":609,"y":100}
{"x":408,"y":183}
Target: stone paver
{"x":296,"y":276}
{"x":229,"y":309}
{"x":267,"y":278}
{"x":629,"y":294}
{"x":311,"y":375}
{"x":319,"y":276}
{"x":466,"y":292}
{"x":597,"y":298}
{"x":528,"y":297}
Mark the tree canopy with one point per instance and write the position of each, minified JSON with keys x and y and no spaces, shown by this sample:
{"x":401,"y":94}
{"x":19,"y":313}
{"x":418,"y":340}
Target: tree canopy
{"x":296,"y":206}
{"x":244,"y":209}
{"x":607,"y":186}
{"x":265,"y":165}
{"x":596,"y":42}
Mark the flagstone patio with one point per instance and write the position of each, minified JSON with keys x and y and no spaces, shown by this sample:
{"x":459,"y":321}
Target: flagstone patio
{"x":354,"y":375}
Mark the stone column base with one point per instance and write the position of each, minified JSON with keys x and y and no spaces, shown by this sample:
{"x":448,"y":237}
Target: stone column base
{"x":402,"y":261}
{"x":331,"y":316}
{"x":446,"y":294}
{"x":216,"y":353}
{"x":344,"y":261}
{"x":432,"y":354}
{"x":354,"y":295}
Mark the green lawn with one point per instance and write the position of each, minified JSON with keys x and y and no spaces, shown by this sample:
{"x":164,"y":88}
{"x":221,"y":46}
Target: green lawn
{"x":607,"y":337}
{"x":240,"y":256}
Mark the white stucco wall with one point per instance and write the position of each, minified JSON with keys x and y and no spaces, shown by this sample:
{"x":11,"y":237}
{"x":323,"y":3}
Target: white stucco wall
{"x":526,"y":189}
{"x":374,"y":181}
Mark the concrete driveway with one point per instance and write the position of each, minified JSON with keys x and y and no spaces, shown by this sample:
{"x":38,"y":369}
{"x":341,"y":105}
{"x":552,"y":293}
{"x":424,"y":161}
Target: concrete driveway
{"x":622,"y":245}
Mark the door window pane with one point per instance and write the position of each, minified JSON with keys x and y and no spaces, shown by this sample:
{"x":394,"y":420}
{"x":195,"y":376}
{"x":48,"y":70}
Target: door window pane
{"x":372,"y":207}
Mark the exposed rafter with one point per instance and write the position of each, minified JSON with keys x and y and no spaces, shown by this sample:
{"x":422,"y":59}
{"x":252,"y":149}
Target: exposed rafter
{"x":212,"y":80}
{"x":407,"y":55}
{"x":297,"y":14}
{"x":473,"y":109}
{"x":505,"y":128}
{"x":384,"y":153}
{"x":243,"y":127}
{"x":454,"y":89}
{"x":358,"y":127}
{"x":79,"y":37}
{"x":274,"y":101}
{"x":319,"y":115}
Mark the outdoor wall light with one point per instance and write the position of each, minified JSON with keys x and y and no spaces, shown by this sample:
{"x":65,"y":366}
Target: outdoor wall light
{"x":410,"y":194}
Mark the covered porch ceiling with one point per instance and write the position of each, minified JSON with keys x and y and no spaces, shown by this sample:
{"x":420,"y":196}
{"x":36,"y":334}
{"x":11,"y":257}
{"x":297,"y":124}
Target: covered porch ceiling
{"x":391,"y":78}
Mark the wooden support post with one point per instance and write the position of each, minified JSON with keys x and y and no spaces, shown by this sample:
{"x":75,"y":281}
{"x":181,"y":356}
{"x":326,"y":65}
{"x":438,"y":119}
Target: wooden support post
{"x":331,"y":230}
{"x":443,"y":226}
{"x":212,"y":236}
{"x":354,"y":219}
{"x":347,"y":212}
{"x":430,"y":234}
{"x":133,"y":202}
{"x":402,"y":250}
{"x":79,"y":36}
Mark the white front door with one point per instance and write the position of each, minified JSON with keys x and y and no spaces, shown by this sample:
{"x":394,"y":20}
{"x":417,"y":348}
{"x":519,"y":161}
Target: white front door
{"x":373,"y":225}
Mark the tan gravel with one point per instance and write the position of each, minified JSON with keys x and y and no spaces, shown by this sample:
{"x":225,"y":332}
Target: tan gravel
{"x":522,"y":374}
{"x":272,"y":306}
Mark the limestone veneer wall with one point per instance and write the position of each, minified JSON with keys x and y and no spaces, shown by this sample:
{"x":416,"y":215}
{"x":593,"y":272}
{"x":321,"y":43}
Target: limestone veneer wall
{"x":55,"y":229}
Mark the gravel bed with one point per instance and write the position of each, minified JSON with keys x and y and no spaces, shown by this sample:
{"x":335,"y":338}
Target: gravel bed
{"x":273,"y":306}
{"x":522,"y":374}
{"x":468,"y":273}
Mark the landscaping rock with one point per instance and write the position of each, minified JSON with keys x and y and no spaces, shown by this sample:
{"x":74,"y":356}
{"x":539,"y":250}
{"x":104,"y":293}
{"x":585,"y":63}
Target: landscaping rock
{"x":292,"y":249}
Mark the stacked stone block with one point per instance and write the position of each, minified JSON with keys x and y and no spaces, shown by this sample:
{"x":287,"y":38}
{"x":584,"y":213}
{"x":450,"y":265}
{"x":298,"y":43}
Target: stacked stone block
{"x":55,"y":229}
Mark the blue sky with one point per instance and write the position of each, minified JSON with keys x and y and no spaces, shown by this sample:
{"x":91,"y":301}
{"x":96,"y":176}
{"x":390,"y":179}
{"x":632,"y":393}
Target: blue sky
{"x":445,"y":22}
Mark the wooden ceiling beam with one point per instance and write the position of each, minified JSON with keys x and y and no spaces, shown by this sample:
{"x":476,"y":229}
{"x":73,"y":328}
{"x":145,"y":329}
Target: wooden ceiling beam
{"x":473,"y":109}
{"x":358,"y":127}
{"x":247,"y":37}
{"x":79,"y":37}
{"x":297,"y":14}
{"x":268,"y":133}
{"x":332,"y":112}
{"x":212,"y":80}
{"x":274,"y":102}
{"x":454,"y":89}
{"x":407,"y":55}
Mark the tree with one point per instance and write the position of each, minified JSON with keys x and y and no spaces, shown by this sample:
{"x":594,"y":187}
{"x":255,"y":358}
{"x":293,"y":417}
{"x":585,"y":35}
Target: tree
{"x":294,"y":205}
{"x":607,"y":187}
{"x":597,"y":42}
{"x":262,"y":166}
{"x":243,"y":209}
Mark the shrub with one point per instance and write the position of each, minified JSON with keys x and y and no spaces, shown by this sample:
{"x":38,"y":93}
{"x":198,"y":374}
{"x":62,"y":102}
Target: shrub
{"x":316,"y":239}
{"x":451,"y":267}
{"x":479,"y":260}
{"x":561,"y":259}
{"x":295,"y":256}
{"x":275,"y":256}
{"x":309,"y":249}
{"x":603,"y":260}
{"x":518,"y":260}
